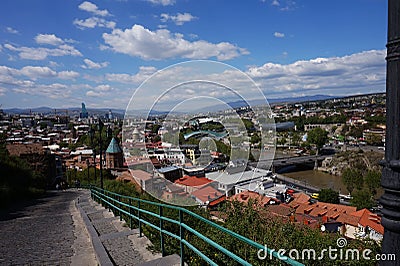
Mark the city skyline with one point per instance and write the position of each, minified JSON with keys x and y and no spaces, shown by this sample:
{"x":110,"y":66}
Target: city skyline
{"x":59,"y":54}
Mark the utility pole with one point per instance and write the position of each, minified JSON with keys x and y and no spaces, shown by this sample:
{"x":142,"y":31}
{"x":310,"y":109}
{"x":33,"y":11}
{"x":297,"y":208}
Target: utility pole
{"x":390,"y":200}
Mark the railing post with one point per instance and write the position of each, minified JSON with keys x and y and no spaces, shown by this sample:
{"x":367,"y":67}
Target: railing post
{"x":181,"y":237}
{"x":139,"y":222}
{"x":130,"y":213}
{"x":161,"y":233}
{"x":120,"y":206}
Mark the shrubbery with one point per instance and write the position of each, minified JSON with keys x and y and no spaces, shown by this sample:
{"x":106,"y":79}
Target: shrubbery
{"x":17,"y":179}
{"x":246,"y":221}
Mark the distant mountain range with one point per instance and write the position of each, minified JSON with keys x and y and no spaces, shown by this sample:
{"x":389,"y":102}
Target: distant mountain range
{"x":238,"y":104}
{"x":63,"y":111}
{"x":120,"y":112}
{"x":318,"y":97}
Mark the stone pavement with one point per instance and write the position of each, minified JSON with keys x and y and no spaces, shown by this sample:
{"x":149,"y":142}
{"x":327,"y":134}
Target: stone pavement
{"x":46,"y":231}
{"x":69,"y":228}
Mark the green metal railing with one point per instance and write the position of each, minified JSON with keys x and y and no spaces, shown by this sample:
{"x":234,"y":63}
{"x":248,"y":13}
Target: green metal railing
{"x":134,"y":209}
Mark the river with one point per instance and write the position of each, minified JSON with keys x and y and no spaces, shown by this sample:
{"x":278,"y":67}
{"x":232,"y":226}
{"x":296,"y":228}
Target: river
{"x":319,"y":179}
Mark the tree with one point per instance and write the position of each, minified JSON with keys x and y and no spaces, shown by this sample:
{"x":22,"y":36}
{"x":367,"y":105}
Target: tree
{"x":296,"y":138}
{"x":373,"y":180}
{"x":362,"y":199}
{"x":373,"y":139}
{"x":318,"y":137}
{"x":328,"y":195}
{"x":352,"y":178}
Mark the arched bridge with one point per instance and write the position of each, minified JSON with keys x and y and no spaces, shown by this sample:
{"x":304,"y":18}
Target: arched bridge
{"x":212,"y":134}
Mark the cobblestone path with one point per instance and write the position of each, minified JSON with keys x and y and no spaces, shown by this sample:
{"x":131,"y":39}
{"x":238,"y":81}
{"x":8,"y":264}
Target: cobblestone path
{"x":69,"y":228}
{"x":41,"y":232}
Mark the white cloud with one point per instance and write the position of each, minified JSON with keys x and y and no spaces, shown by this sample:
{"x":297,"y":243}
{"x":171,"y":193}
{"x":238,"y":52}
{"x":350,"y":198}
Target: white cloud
{"x":93,"y":22}
{"x":52,"y":91}
{"x":279,"y":34}
{"x":96,"y":20}
{"x":99,"y":91}
{"x":288,"y":5}
{"x":104,"y":88}
{"x":89,"y":64}
{"x":92,"y":8}
{"x":275,"y":3}
{"x":48,"y":39}
{"x":162,"y":44}
{"x":92,"y":93}
{"x":358,"y":73}
{"x":68,"y":74}
{"x":8,"y":75}
{"x":53,"y":64}
{"x":11,"y":30}
{"x":35,"y":72}
{"x":162,"y":2}
{"x":40,"y":53}
{"x":144,"y":73}
{"x":178,"y":19}
{"x":283,"y":5}
{"x":2,"y":91}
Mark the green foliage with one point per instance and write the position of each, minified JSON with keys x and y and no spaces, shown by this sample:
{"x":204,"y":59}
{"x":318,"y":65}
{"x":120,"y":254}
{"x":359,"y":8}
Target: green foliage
{"x":248,"y":124}
{"x":255,"y":138}
{"x":329,"y":195}
{"x":88,"y":176}
{"x":362,"y":199}
{"x":17,"y":179}
{"x":244,"y":220}
{"x":317,"y":136}
{"x":296,"y":138}
{"x":373,"y":180}
{"x":155,"y":128}
{"x":93,"y":142}
{"x":223,"y":148}
{"x":352,"y":178}
{"x":356,"y":131}
{"x":300,"y":121}
{"x":212,"y":126}
{"x":373,"y":139}
{"x":380,"y":119}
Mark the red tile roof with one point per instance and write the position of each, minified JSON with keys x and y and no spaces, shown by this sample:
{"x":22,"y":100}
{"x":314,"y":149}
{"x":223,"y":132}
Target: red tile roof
{"x":192,"y":181}
{"x":217,"y":201}
{"x":369,"y":219}
{"x":320,"y":209}
{"x":246,"y":196}
{"x":207,"y":193}
{"x":300,"y":197}
{"x":281,"y":210}
{"x":348,"y":219}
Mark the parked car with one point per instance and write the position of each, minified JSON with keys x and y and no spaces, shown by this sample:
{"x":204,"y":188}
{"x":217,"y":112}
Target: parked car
{"x":315,"y":195}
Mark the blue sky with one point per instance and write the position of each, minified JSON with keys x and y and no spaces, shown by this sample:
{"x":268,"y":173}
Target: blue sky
{"x":62,"y":53}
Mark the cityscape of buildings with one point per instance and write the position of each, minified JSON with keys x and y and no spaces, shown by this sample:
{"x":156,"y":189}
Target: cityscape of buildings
{"x":197,"y":161}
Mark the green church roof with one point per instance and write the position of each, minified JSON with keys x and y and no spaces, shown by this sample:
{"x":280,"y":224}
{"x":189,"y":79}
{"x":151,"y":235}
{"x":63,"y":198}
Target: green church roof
{"x":114,"y":147}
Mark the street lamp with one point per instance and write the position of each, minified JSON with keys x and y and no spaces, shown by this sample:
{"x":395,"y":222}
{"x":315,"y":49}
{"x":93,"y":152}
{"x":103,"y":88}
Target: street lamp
{"x":390,"y":200}
{"x":100,"y":128}
{"x":87,"y":164}
{"x":91,"y":134}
